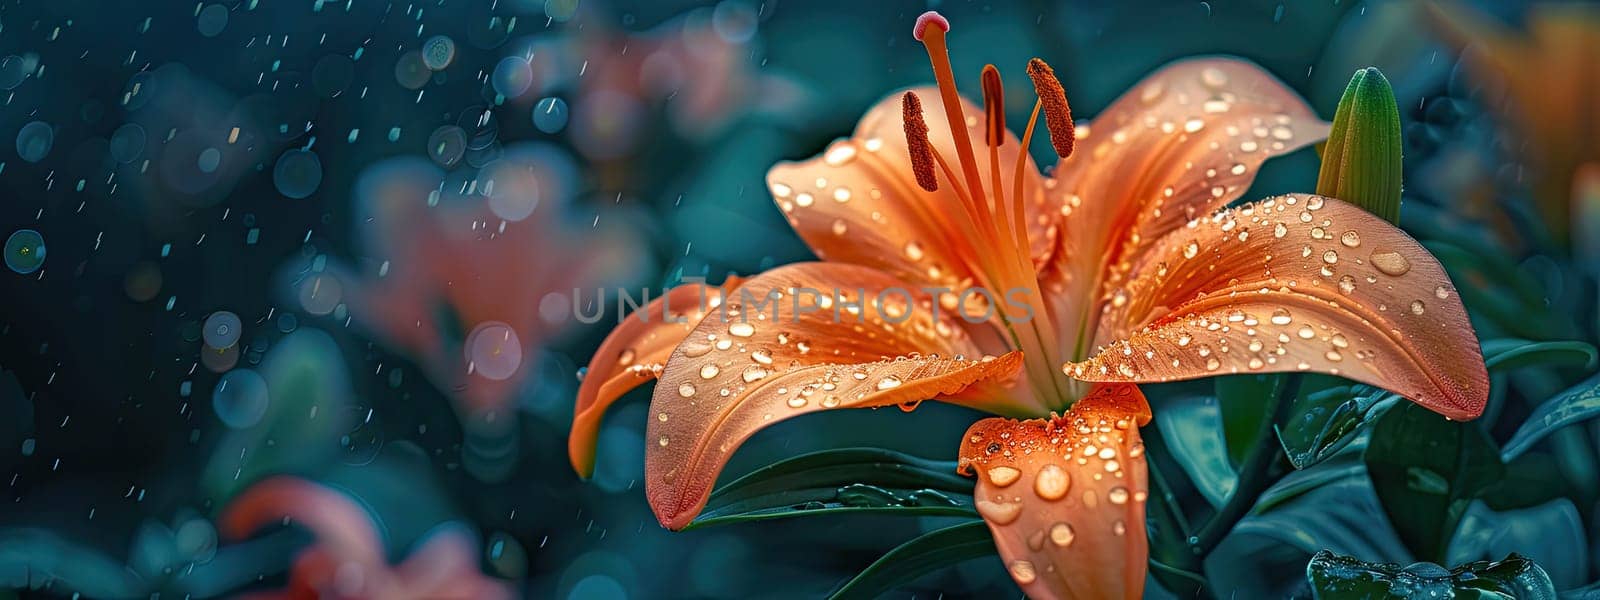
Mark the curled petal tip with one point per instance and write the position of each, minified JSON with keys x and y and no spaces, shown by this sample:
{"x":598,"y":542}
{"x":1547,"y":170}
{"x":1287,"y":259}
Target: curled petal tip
{"x":931,"y":17}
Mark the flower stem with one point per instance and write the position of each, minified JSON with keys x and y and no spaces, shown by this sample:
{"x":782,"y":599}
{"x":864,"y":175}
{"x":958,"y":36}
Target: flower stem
{"x":1256,"y":474}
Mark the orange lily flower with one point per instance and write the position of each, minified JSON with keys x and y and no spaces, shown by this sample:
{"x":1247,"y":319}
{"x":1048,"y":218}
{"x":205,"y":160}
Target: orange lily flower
{"x":1550,"y":94}
{"x":347,"y":560}
{"x":460,"y":287}
{"x":1117,"y":269}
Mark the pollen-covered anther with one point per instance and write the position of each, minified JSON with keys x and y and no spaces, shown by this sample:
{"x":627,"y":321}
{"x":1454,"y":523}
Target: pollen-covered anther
{"x":994,"y":107}
{"x":1057,"y":114}
{"x":917,"y":142}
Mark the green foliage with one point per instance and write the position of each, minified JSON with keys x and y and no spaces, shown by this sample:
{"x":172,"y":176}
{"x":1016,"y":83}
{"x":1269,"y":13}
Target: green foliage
{"x":1192,"y":429}
{"x":1580,"y":403}
{"x":1335,"y":577}
{"x":842,"y":481}
{"x":1324,"y":421}
{"x":1361,"y":161}
{"x":1426,"y":470}
{"x":925,"y":554}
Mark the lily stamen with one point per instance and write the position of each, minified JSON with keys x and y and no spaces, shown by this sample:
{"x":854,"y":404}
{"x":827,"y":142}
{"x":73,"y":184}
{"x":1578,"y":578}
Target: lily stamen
{"x":1057,"y":113}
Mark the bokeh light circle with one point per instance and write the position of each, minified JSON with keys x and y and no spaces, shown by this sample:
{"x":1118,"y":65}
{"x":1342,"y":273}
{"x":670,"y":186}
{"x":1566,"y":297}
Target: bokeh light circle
{"x":550,"y":115}
{"x":25,"y":251}
{"x":438,"y":52}
{"x":493,"y":350}
{"x":222,"y":329}
{"x":212,"y":20}
{"x":240,"y":398}
{"x":412,"y":71}
{"x":13,"y":70}
{"x":447,"y":145}
{"x":34,"y":141}
{"x":143,"y":281}
{"x":734,"y":21}
{"x":512,"y":77}
{"x":560,"y":11}
{"x":209,"y":160}
{"x":320,"y":294}
{"x":127,"y":143}
{"x":298,"y":173}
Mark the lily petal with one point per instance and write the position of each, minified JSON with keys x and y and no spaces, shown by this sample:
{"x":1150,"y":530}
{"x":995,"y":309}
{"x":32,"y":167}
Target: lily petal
{"x":633,"y":353}
{"x":859,"y":203}
{"x":1065,"y":497}
{"x":1184,"y":142}
{"x":342,"y":527}
{"x":1294,"y":283}
{"x":760,"y":365}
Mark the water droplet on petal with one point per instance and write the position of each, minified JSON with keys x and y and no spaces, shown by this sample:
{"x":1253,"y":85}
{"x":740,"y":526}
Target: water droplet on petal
{"x":742,"y":329}
{"x":1390,"y":263}
{"x":1022,"y":571}
{"x":1417,"y":307}
{"x":1004,"y":476}
{"x":686,"y":390}
{"x":709,"y":371}
{"x":1061,"y":534}
{"x":1281,"y":317}
{"x":753,"y":373}
{"x":1350,"y":239}
{"x":999,"y":513}
{"x":1118,"y":495}
{"x":888,"y":382}
{"x":1052,"y":482}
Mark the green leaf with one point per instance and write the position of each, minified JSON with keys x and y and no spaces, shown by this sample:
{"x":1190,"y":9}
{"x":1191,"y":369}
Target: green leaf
{"x":1508,"y":354}
{"x":842,"y":481}
{"x":1426,"y":470}
{"x":1551,"y":534}
{"x":1335,"y":577}
{"x":925,"y":554}
{"x":1580,"y":403}
{"x":1530,"y":479}
{"x":1192,"y":428}
{"x":1494,"y":288}
{"x":1243,"y":400}
{"x":1324,"y":421}
{"x":1361,"y":162}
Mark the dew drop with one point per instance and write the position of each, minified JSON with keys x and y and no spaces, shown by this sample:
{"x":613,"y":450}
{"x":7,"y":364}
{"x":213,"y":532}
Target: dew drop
{"x":1281,"y":317}
{"x":797,"y":402}
{"x":999,"y":513}
{"x":1350,"y":239}
{"x":1417,"y":307}
{"x":1280,"y":230}
{"x":1306,"y":332}
{"x":753,"y":373}
{"x":888,"y":382}
{"x":1390,"y":263}
{"x":1061,"y":534}
{"x":1191,"y":250}
{"x":1441,"y":292}
{"x":1330,"y":257}
{"x":1118,"y":495}
{"x":742,"y":329}
{"x":709,"y":371}
{"x":686,"y":390}
{"x":1004,"y":476}
{"x":913,"y":251}
{"x":1051,"y":483}
{"x":1347,"y":284}
{"x":1022,"y":571}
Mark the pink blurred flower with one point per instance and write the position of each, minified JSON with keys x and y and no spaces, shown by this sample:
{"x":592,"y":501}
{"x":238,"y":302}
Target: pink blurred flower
{"x":347,"y":559}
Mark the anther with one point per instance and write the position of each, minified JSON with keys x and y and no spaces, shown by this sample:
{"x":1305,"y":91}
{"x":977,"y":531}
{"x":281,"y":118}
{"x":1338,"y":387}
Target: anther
{"x":1057,"y":115}
{"x":917,"y":142}
{"x":929,"y":18}
{"x":994,"y":107}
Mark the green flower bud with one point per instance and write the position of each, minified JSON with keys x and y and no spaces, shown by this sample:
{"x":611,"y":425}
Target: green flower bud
{"x":1361,"y":160}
